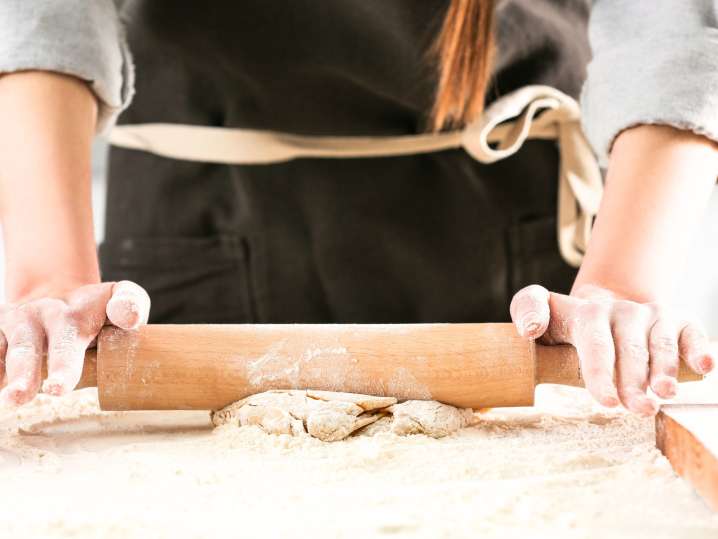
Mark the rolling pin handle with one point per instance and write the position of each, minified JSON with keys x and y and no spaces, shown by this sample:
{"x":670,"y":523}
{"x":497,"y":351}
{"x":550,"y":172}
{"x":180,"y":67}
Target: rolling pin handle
{"x":559,"y":364}
{"x":88,"y":378}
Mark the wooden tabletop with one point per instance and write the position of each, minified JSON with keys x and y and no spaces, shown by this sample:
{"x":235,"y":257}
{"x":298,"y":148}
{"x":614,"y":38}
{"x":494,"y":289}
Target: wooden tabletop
{"x":687,"y":434}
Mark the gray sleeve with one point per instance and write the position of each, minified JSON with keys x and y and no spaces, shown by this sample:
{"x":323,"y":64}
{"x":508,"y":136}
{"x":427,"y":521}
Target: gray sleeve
{"x":83,"y":38}
{"x":653,"y":63}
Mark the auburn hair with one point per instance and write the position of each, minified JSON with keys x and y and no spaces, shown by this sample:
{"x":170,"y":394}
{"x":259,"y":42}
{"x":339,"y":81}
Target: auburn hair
{"x":464,"y":49}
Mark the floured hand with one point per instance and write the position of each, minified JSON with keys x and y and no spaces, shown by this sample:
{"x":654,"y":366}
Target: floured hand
{"x":623,"y":346}
{"x":63,"y":326}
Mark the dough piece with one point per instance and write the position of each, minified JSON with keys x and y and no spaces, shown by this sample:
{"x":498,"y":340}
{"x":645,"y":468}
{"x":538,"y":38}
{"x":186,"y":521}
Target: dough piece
{"x":331,"y":416}
{"x":325,"y":415}
{"x":429,"y":417}
{"x":380,"y":426}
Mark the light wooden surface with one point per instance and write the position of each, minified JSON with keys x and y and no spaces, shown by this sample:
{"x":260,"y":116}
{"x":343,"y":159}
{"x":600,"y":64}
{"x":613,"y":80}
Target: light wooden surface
{"x":687,"y":434}
{"x":559,"y":365}
{"x":209,"y":366}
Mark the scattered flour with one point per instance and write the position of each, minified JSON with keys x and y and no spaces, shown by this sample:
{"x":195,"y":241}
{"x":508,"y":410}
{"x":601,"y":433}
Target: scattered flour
{"x":563,"y":469}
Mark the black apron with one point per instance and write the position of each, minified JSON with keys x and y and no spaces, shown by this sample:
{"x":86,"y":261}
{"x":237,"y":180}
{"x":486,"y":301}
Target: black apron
{"x":426,"y":238}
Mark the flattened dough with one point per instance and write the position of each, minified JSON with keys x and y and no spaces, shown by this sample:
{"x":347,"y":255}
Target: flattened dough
{"x":331,"y":416}
{"x":429,"y":417}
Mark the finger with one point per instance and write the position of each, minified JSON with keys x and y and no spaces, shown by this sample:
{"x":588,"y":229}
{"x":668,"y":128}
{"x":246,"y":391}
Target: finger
{"x":695,"y":350}
{"x":564,"y":317}
{"x":591,"y":335}
{"x":530,"y":311}
{"x":3,"y":353}
{"x":85,"y":309}
{"x":129,"y":306}
{"x":630,"y":325}
{"x":65,"y":357}
{"x":23,"y":360}
{"x":664,"y":360}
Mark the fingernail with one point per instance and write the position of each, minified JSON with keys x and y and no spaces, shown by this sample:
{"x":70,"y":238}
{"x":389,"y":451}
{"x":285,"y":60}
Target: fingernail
{"x":21,"y":386}
{"x":609,"y":399}
{"x":666,"y":387}
{"x":529,"y":325}
{"x":14,"y":394}
{"x":124,"y":312}
{"x":643,"y":406}
{"x":705,"y":364}
{"x":54,"y":387}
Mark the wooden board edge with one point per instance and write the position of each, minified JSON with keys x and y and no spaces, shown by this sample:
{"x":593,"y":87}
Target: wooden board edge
{"x":688,"y":457}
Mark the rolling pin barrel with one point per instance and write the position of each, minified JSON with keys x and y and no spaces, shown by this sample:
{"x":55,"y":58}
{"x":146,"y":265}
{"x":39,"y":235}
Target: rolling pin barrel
{"x":209,"y":366}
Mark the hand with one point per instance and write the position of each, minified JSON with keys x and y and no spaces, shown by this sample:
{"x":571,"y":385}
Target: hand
{"x":641,"y":343}
{"x":63,"y":326}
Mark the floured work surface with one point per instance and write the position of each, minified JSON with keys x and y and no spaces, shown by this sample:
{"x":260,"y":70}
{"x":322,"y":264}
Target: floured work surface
{"x":566,"y":468}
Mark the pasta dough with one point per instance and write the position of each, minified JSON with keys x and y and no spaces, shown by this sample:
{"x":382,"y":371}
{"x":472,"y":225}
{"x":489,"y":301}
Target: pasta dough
{"x":331,"y":416}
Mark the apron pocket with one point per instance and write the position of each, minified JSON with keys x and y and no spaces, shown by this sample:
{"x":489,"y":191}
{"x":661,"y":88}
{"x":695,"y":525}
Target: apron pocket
{"x":189,"y":279}
{"x":533,"y":250}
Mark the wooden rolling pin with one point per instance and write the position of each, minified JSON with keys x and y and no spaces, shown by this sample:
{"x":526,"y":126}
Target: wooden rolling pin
{"x":206,"y":367}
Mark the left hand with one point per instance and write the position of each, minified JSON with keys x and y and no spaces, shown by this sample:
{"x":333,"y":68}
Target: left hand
{"x":640,"y":343}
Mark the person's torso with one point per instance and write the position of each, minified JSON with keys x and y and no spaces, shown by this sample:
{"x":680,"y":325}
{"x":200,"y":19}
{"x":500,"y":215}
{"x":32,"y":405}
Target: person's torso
{"x":420,"y":238}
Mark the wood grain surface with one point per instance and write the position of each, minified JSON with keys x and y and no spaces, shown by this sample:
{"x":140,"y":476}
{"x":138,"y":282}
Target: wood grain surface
{"x":687,"y":434}
{"x":209,"y":366}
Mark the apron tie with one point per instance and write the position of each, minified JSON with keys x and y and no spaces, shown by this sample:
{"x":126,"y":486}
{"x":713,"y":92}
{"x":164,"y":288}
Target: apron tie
{"x":531,"y":112}
{"x":542,"y":112}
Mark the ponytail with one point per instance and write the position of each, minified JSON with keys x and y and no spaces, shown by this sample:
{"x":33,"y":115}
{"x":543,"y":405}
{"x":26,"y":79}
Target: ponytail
{"x":465,"y":50}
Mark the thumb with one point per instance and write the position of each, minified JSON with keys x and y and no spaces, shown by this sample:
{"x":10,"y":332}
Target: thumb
{"x":530,"y":311}
{"x":129,"y":305}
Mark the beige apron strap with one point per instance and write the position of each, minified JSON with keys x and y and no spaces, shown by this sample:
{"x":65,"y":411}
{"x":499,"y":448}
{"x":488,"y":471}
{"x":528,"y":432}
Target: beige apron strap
{"x":233,"y":146}
{"x":532,"y":112}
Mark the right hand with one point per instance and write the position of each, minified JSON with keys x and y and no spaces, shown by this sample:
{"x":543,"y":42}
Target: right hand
{"x":62,"y":326}
{"x":624,"y":346}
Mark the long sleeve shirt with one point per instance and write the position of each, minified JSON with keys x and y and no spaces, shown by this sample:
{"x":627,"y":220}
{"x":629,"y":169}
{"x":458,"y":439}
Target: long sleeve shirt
{"x":653,"y":62}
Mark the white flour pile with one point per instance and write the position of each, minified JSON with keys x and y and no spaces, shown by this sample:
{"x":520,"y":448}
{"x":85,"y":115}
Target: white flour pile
{"x":565,"y":468}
